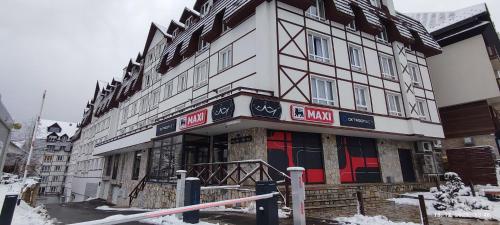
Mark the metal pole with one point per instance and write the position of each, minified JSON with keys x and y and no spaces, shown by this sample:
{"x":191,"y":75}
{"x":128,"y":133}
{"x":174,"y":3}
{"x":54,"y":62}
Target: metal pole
{"x":33,"y":137}
{"x":423,"y":210}
{"x":181,"y":184}
{"x":298,"y":195}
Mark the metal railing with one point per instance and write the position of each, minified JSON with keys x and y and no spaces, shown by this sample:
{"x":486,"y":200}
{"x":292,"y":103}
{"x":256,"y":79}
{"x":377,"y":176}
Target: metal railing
{"x":138,"y":188}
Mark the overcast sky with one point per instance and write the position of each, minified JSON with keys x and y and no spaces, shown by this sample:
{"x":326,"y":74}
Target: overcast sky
{"x":65,"y":46}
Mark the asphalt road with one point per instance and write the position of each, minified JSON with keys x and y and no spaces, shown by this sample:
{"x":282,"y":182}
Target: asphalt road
{"x":68,"y":213}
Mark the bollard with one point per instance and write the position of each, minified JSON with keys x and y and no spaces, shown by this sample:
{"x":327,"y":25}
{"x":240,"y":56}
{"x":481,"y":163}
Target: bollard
{"x":423,"y":210}
{"x":438,"y":185}
{"x":361,"y":204}
{"x":267,"y":209}
{"x":472,"y":190}
{"x":192,"y":197}
{"x":298,"y":195}
{"x":179,"y":195}
{"x":9,"y":205}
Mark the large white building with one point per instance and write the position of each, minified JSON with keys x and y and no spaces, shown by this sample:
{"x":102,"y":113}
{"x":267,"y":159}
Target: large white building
{"x":339,"y":87}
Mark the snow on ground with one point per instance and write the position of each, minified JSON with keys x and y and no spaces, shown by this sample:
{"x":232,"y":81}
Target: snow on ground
{"x":23,"y":214}
{"x":492,"y":214}
{"x":107,"y":208}
{"x":251,"y":209}
{"x":171,"y":220}
{"x":367,"y":220}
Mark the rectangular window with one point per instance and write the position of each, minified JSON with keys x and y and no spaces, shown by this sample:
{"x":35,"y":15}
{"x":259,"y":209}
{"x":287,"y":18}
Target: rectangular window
{"x":57,"y":168}
{"x":183,"y":80}
{"x":155,"y":98}
{"x":202,"y":45}
{"x":226,"y":58}
{"x":356,"y":56}
{"x":395,"y":104}
{"x":201,"y":74}
{"x":317,"y":11}
{"x":169,"y":90}
{"x":422,"y":109}
{"x":116,"y":159}
{"x":109,"y":161}
{"x":383,"y":36}
{"x":324,"y":91}
{"x":415,"y":74}
{"x":137,"y":165}
{"x":124,"y":114}
{"x":352,"y":26}
{"x":387,"y":67}
{"x":319,"y":47}
{"x":60,"y":157}
{"x":51,"y":147}
{"x":362,"y":97}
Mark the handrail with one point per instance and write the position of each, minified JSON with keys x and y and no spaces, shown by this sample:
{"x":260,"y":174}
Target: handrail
{"x":138,"y":188}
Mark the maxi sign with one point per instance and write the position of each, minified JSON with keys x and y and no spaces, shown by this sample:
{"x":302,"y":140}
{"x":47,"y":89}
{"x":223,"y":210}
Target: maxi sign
{"x":194,"y":119}
{"x":311,"y":114}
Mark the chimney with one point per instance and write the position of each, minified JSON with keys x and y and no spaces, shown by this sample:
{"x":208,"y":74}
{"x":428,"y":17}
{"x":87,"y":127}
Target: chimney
{"x":390,"y":5}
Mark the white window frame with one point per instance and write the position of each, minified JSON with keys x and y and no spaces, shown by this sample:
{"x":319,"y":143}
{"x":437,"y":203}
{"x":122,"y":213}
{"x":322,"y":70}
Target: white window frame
{"x":205,"y":8}
{"x":182,"y":82}
{"x":330,"y":100}
{"x":155,"y":99}
{"x":168,"y":90}
{"x":201,"y":74}
{"x":226,"y":58}
{"x":356,"y":63}
{"x":325,"y":55}
{"x":187,"y":24}
{"x":376,"y":3}
{"x":389,"y":61}
{"x":317,"y":11}
{"x":202,"y":45}
{"x":422,"y":109}
{"x":383,"y":36}
{"x":362,"y":92}
{"x":414,"y":74}
{"x":352,"y":26}
{"x":394,"y":103}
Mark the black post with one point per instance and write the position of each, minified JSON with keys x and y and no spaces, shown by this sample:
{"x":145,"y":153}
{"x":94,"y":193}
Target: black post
{"x":9,"y":205}
{"x":361,"y":203}
{"x":438,"y":185}
{"x":267,"y":209}
{"x":423,"y":210}
{"x":192,"y":197}
{"x":471,"y":185}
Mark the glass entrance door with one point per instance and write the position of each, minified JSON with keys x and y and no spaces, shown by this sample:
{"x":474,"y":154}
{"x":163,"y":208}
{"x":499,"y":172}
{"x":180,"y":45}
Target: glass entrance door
{"x":196,"y":149}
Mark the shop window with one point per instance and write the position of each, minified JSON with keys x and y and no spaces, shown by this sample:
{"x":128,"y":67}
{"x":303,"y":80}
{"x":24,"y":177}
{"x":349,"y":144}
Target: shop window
{"x":164,"y":158}
{"x":358,"y":160}
{"x":317,"y":11}
{"x":319,"y":47}
{"x":136,"y":168}
{"x":290,"y":149}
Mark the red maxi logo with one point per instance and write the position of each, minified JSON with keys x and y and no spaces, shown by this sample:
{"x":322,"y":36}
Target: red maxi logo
{"x":193,"y":119}
{"x":311,"y":114}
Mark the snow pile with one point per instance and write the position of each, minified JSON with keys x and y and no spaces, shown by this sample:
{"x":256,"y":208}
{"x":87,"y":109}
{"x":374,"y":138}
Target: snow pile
{"x":251,"y":209}
{"x":24,"y":214}
{"x":366,"y":220}
{"x":455,"y":200}
{"x":107,"y":208}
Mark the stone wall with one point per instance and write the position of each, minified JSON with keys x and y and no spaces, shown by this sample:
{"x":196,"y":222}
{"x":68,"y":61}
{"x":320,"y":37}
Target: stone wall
{"x":256,"y":149}
{"x":389,"y":159}
{"x":480,"y":140}
{"x":330,"y":158}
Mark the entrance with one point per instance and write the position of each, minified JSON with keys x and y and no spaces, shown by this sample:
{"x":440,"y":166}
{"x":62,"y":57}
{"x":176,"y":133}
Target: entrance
{"x":358,"y":160}
{"x":196,"y":149}
{"x":406,"y":161}
{"x":289,"y":149}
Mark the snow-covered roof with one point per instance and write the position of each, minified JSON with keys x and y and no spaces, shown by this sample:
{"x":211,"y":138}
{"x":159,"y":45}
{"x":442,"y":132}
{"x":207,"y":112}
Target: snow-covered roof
{"x":68,"y":128}
{"x":435,"y":21}
{"x":161,"y":28}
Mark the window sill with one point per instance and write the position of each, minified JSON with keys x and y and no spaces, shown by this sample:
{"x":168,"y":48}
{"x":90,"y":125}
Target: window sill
{"x":319,"y":60}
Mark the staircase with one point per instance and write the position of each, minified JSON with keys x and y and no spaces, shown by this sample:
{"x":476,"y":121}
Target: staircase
{"x":140,"y":187}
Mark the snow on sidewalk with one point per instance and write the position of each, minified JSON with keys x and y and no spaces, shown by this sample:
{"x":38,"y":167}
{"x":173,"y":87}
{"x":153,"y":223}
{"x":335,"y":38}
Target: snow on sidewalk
{"x":24,"y":214}
{"x":367,"y":220}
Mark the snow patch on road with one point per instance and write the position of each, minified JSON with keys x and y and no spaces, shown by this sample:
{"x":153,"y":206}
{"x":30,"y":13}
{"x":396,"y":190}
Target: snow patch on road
{"x":367,"y":220}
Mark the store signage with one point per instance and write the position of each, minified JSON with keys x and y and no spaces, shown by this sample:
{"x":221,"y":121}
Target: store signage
{"x":242,"y":139}
{"x":356,"y":120}
{"x":311,"y":114}
{"x":193,"y":119}
{"x":223,"y":110}
{"x":167,"y":127}
{"x":265,"y":108}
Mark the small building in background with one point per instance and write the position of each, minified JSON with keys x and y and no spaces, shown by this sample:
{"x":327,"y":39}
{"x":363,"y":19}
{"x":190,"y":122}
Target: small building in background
{"x":466,"y":82}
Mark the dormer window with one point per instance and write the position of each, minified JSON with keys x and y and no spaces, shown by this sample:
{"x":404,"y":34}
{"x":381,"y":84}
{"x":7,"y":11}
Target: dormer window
{"x":176,"y":31}
{"x":205,"y":8}
{"x":383,"y":36}
{"x":317,"y":11}
{"x":376,"y":3}
{"x":202,"y":45}
{"x":188,"y":22}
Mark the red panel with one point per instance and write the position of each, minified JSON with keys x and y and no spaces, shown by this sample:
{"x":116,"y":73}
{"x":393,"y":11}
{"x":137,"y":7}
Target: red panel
{"x":315,"y":176}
